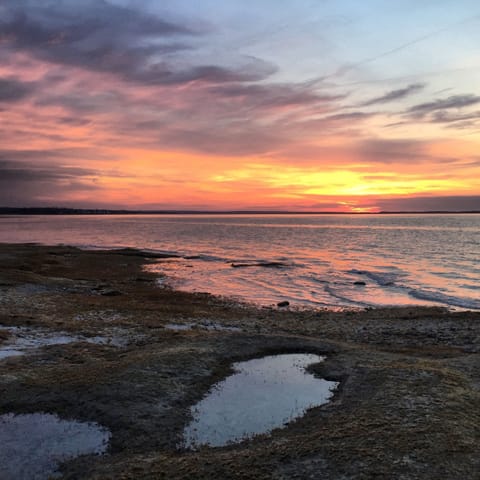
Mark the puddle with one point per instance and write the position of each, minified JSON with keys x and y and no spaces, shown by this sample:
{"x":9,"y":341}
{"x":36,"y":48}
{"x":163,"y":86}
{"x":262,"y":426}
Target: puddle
{"x":24,"y":340}
{"x":262,"y":394}
{"x":33,"y":445}
{"x":9,"y":351}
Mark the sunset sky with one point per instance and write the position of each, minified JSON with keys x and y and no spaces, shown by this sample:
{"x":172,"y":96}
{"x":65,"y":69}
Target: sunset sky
{"x":337,"y":105}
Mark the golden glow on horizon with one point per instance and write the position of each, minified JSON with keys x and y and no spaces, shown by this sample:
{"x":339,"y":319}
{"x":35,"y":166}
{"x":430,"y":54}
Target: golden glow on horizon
{"x":288,"y":181}
{"x":149,"y":177}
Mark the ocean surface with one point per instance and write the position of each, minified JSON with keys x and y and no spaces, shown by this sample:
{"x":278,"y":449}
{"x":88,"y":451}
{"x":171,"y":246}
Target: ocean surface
{"x":334,"y":261}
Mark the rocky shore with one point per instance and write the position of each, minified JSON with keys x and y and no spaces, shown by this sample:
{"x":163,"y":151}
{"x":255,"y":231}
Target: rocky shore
{"x":133,"y":358}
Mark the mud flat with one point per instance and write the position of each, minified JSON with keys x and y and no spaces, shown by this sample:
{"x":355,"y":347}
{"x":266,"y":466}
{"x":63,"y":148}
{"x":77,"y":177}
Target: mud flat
{"x":406,"y":405}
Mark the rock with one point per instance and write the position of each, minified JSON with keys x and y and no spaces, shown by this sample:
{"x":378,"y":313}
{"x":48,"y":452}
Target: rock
{"x":111,"y":293}
{"x":360,"y":283}
{"x":260,"y":264}
{"x":133,"y":252}
{"x":285,"y":303}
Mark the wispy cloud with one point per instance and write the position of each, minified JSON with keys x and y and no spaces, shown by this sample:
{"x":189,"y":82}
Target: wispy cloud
{"x":454,"y":101}
{"x":395,"y":94}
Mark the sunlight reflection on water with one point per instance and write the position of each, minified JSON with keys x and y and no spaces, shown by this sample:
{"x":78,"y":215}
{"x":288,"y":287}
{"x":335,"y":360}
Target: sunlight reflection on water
{"x":405,"y":259}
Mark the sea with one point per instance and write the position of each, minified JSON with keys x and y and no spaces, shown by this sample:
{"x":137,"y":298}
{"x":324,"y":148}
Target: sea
{"x":309,"y":260}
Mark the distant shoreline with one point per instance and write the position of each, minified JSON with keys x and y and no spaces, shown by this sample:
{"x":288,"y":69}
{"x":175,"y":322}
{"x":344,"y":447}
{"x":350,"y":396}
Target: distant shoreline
{"x":88,"y":211}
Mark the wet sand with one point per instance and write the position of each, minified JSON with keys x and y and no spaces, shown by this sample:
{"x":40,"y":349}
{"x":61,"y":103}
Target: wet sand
{"x":407,"y":406}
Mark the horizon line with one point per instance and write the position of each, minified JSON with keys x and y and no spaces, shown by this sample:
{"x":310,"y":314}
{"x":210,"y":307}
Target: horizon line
{"x":119,"y":211}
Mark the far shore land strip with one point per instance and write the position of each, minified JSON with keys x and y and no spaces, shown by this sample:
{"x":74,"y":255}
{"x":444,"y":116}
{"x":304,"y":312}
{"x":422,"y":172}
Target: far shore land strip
{"x":407,"y":405}
{"x":101,"y":211}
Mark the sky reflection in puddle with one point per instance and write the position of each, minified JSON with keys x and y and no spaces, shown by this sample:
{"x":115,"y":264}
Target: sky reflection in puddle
{"x":33,"y":445}
{"x":262,"y":394}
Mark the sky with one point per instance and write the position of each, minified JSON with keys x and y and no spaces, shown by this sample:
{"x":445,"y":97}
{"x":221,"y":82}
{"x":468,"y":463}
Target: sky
{"x":307,"y":105}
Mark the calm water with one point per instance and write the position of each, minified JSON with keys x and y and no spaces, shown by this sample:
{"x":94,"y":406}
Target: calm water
{"x":33,"y":445}
{"x":401,"y":259}
{"x":263,"y":394}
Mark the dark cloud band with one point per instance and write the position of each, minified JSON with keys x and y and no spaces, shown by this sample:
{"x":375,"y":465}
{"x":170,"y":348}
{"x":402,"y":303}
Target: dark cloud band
{"x":13,"y":90}
{"x":103,"y":37}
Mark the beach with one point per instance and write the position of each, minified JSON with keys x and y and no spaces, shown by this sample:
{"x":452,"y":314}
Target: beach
{"x":406,"y":405}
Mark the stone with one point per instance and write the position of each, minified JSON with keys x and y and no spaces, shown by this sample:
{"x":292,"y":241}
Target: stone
{"x":111,"y":293}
